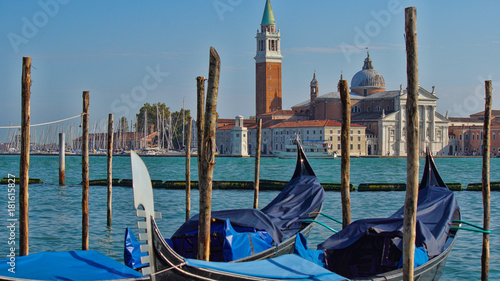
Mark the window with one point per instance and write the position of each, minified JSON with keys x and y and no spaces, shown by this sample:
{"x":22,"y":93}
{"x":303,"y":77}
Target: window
{"x":338,"y":131}
{"x":359,"y":132}
{"x":359,"y":138}
{"x":338,"y":146}
{"x":351,"y":146}
{"x":378,"y":109}
{"x":338,"y":138}
{"x":359,"y":146}
{"x":368,"y":109}
{"x":388,"y":108}
{"x":355,"y":109}
{"x":493,"y":135}
{"x":331,"y":138}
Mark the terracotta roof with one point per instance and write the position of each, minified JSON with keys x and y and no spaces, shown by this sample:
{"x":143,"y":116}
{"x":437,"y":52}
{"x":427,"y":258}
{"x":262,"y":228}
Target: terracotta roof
{"x":311,"y":123}
{"x":481,"y":114}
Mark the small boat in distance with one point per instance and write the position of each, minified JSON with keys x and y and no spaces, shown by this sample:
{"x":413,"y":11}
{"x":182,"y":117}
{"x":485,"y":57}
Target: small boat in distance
{"x":313,"y":148}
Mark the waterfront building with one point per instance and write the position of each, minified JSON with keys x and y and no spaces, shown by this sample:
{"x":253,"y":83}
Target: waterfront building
{"x":277,"y":135}
{"x":239,"y":138}
{"x":466,"y":134}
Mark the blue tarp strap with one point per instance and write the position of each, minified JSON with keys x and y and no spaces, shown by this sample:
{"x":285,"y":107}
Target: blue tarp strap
{"x":251,"y":243}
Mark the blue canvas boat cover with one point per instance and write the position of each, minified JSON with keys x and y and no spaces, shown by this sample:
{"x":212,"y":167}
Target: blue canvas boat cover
{"x":286,"y":267}
{"x":132,"y":253}
{"x":72,"y":265}
{"x":370,"y":246}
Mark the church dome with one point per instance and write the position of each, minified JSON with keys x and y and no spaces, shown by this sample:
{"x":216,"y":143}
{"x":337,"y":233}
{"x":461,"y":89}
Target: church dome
{"x":368,"y":79}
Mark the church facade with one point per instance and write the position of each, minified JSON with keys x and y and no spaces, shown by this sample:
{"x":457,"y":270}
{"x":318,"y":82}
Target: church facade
{"x":382,"y":112}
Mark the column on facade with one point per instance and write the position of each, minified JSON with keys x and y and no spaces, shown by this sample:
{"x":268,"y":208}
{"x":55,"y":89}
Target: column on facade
{"x":400,"y":137}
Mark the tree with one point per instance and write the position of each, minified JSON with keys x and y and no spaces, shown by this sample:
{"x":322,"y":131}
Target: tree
{"x":123,"y":124}
{"x":169,"y":125}
{"x":151,"y":116}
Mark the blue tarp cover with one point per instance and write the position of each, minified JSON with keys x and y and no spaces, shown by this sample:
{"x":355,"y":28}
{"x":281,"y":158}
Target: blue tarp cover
{"x":371,"y":246}
{"x":286,"y":267}
{"x":239,"y":245}
{"x":132,"y":253}
{"x":72,"y":265}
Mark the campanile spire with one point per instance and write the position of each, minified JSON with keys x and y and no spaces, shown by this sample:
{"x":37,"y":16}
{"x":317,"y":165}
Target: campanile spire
{"x":268,"y":64}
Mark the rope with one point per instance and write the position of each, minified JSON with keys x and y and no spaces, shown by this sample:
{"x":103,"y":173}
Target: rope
{"x":170,"y":268}
{"x":476,"y":228}
{"x":46,"y":123}
{"x":320,"y":223}
{"x":333,"y":219}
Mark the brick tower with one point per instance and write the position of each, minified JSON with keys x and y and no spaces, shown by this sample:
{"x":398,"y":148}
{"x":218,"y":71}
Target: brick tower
{"x":268,"y":65}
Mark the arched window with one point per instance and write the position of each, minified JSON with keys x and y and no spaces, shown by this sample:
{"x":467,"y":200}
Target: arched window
{"x":355,"y":109}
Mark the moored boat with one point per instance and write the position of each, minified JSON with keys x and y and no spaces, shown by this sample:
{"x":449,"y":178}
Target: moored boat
{"x":250,"y":234}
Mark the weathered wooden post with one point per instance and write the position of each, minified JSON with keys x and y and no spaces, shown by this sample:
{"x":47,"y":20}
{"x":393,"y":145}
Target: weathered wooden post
{"x":85,"y":172}
{"x":410,"y":212}
{"x":188,"y":168}
{"x":485,"y":256}
{"x":109,"y":156}
{"x":208,"y":157}
{"x":257,"y":165}
{"x":25,"y":158}
{"x":345,"y":164}
{"x":200,"y":115}
{"x":62,"y":160}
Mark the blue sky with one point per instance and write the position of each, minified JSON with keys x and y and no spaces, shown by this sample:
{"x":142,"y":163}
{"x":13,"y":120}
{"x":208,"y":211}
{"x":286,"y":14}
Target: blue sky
{"x":127,"y":53}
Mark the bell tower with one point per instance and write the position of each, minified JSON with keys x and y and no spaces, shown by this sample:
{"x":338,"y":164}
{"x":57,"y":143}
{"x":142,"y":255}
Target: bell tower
{"x":268,"y":65}
{"x":314,"y":95}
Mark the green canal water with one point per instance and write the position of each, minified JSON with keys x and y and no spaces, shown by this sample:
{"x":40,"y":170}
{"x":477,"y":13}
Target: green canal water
{"x":55,"y":212}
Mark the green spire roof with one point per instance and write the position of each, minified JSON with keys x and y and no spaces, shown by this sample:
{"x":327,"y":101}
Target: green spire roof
{"x":268,"y":17}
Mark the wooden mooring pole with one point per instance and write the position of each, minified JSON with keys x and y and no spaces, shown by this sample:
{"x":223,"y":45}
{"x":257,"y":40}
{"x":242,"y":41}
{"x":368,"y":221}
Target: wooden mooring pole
{"x":257,"y":165}
{"x":485,"y":256}
{"x":345,"y":164}
{"x":109,"y":178}
{"x":62,"y":160}
{"x":200,"y":116}
{"x":25,"y":158}
{"x":188,"y":168}
{"x":85,"y":172}
{"x":410,"y":211}
{"x":208,"y":157}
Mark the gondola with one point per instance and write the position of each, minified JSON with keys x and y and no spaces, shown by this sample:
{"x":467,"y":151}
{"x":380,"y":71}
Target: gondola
{"x":369,"y":248}
{"x":248,"y":234}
